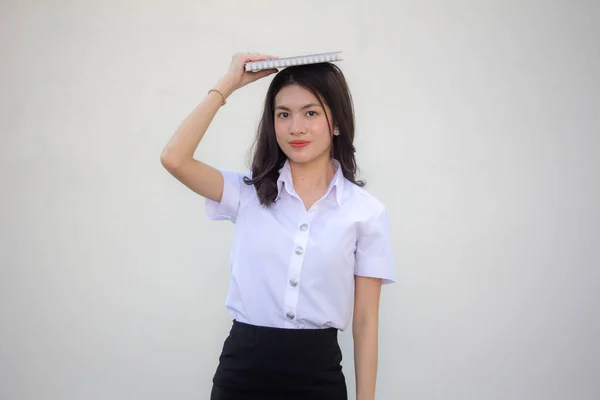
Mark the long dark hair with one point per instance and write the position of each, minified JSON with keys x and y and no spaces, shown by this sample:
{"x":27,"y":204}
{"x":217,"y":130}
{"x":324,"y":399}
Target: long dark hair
{"x":327,"y":82}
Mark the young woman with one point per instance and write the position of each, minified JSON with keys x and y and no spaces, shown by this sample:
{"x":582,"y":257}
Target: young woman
{"x":311,"y":247}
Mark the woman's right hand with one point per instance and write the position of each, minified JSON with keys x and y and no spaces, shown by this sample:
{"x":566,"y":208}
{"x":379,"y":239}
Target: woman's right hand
{"x":237,"y":76}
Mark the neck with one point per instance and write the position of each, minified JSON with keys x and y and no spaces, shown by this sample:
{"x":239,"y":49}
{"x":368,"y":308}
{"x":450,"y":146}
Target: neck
{"x":313,"y":177}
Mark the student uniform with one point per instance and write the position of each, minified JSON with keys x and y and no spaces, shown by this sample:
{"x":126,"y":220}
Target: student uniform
{"x":292,"y":285}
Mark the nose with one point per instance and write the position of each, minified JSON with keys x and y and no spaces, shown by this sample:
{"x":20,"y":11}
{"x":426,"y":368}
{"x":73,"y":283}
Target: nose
{"x":297,"y":127}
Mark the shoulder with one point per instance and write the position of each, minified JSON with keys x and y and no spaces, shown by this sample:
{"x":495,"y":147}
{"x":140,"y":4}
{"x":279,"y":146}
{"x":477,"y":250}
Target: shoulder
{"x":236,"y":175}
{"x":236,"y":182}
{"x":361,"y":200}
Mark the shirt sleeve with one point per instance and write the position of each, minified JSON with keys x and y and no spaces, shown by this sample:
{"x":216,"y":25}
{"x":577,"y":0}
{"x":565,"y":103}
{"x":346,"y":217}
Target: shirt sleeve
{"x":374,"y":254}
{"x":227,"y":208}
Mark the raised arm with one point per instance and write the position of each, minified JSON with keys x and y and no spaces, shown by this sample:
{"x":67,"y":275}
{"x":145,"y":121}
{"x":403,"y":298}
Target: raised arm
{"x":178,"y":155}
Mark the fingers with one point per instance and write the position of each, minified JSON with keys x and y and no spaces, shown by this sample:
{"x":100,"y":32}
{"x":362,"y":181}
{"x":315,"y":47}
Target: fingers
{"x":256,"y":56}
{"x":259,"y":56}
{"x":245,"y":77}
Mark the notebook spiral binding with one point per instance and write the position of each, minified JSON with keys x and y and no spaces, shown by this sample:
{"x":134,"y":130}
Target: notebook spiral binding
{"x":254,"y":66}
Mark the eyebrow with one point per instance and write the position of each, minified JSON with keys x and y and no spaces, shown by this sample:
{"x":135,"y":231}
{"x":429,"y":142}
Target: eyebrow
{"x":309,"y":105}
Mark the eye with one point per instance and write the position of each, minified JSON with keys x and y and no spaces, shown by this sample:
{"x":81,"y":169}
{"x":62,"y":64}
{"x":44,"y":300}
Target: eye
{"x":283,"y":115}
{"x":311,"y":113}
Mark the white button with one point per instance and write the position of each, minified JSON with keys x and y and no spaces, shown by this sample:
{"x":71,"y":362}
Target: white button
{"x":299,"y":250}
{"x":293,"y":282}
{"x":290,"y":315}
{"x":303,"y":227}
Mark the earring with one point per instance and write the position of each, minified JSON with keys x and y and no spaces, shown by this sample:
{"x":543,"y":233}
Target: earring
{"x":336,"y":132}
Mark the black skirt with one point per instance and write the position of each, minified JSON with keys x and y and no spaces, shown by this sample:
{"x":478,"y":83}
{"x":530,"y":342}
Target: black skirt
{"x":276,"y":363}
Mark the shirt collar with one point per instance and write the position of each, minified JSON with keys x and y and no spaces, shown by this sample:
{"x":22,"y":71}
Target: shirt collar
{"x":337,"y":183}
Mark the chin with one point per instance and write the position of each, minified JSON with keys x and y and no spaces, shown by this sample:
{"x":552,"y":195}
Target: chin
{"x":305,"y":155}
{"x":300,"y":158}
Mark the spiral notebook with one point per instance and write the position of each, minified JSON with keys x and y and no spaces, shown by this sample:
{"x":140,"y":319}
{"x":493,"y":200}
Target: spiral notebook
{"x":291,"y":61}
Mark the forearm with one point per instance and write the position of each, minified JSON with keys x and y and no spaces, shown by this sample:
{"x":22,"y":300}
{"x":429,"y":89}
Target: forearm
{"x":365,"y":359}
{"x":190,"y":132}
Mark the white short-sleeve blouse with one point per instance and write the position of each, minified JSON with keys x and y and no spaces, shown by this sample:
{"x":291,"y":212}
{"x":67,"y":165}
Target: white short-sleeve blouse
{"x":293,"y":268}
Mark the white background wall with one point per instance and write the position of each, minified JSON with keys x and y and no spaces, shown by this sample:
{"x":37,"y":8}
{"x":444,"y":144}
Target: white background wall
{"x":477,"y":125}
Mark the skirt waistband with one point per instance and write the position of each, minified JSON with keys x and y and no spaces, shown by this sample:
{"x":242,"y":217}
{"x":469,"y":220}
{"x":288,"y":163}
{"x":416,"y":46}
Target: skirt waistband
{"x":283,"y":332}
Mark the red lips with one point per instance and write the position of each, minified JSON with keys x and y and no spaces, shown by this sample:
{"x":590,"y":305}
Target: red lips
{"x":298,"y":143}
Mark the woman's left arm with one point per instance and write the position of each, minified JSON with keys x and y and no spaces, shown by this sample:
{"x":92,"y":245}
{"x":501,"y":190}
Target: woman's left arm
{"x":365,"y":326}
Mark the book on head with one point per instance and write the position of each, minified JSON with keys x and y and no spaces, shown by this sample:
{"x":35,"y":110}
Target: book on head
{"x":254,"y":66}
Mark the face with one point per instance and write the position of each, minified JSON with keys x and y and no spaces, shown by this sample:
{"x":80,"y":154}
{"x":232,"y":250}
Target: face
{"x":301,"y":126}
